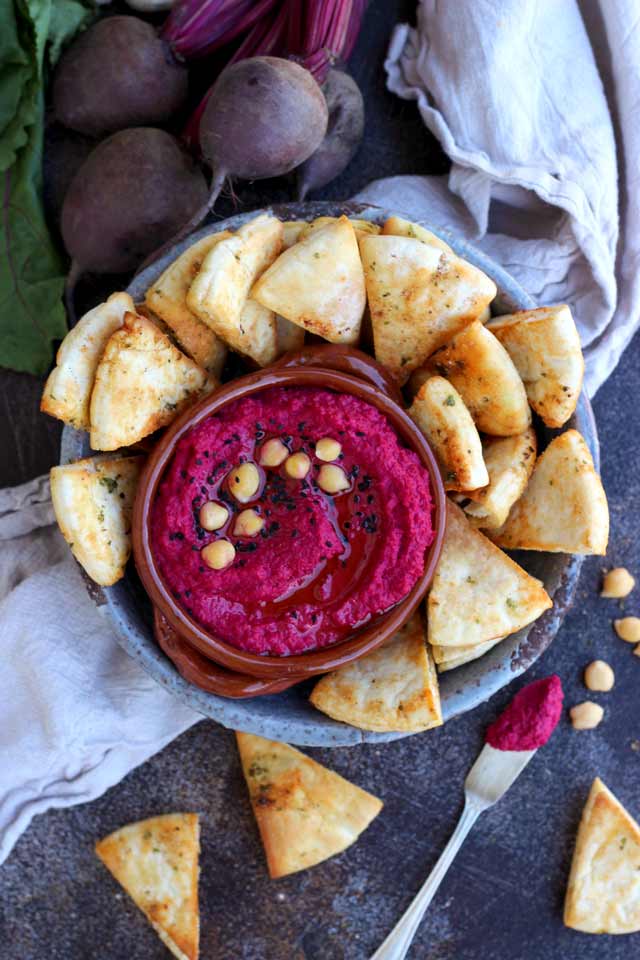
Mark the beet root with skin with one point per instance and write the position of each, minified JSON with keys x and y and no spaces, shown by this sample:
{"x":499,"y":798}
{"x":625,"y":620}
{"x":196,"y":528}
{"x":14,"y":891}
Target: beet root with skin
{"x":343,"y":137}
{"x":134,"y":191}
{"x":115,"y":75}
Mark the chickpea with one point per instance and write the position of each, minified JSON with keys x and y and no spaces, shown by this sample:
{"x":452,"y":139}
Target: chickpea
{"x":328,"y":449}
{"x":244,"y":482}
{"x":332,"y":479}
{"x":297,"y":465}
{"x":586,"y":716}
{"x":213,"y":515}
{"x":273,"y":453}
{"x":599,"y":676}
{"x":219,"y":554}
{"x":248,"y":524}
{"x":617,"y":583}
{"x":628,"y":628}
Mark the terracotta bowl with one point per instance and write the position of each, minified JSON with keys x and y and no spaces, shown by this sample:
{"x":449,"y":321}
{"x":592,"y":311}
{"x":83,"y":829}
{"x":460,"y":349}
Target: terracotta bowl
{"x":340,"y":369}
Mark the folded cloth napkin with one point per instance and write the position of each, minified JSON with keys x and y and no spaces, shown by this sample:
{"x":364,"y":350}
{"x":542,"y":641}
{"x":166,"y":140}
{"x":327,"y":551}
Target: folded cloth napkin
{"x":76,"y":712}
{"x":538,"y":108}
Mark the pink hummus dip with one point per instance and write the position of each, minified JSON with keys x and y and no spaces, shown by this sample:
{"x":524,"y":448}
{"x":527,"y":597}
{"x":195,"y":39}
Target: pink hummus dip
{"x":530,"y":718}
{"x":323,"y":564}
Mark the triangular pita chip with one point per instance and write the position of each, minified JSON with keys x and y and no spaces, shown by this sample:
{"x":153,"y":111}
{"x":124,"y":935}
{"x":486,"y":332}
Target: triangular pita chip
{"x":291,"y":231}
{"x":564,"y":507}
{"x":419,"y":296}
{"x":67,"y":391}
{"x":510,"y":462}
{"x":156,"y":861}
{"x":482,"y":371}
{"x":445,"y":655}
{"x":92,"y":500}
{"x":440,"y":413}
{"x":305,"y":812}
{"x":394,"y":688}
{"x":318,"y":283}
{"x":219,"y":293}
{"x":478,"y":592}
{"x":397,"y":227}
{"x":142,"y":383}
{"x":603,"y":895}
{"x":362,"y":227}
{"x":544,"y":344}
{"x":167,"y":299}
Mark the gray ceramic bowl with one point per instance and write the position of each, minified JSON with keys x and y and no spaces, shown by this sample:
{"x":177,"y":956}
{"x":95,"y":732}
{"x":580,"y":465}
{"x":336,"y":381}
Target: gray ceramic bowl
{"x":289,"y":716}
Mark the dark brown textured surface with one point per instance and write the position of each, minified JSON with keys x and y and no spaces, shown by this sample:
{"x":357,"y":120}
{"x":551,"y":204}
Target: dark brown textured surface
{"x":503,"y":897}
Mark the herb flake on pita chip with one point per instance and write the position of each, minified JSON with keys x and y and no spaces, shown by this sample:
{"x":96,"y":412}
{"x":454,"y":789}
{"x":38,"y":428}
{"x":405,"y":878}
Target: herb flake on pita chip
{"x":142,"y":383}
{"x":220,"y":291}
{"x":603,"y":895}
{"x":510,"y":462}
{"x":419,"y":297}
{"x":544,"y":345}
{"x":482,"y":371}
{"x":564,"y":507}
{"x":305,"y":812}
{"x":318,"y":283}
{"x":394,"y":688}
{"x":156,"y":862}
{"x":478,"y":592}
{"x":470,"y":654}
{"x":397,"y":227}
{"x":439,"y":412}
{"x":67,"y":392}
{"x":92,"y":500}
{"x":167,"y":299}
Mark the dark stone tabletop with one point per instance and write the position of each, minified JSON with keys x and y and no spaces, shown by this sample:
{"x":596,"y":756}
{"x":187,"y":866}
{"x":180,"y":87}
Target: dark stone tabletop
{"x":502,"y":899}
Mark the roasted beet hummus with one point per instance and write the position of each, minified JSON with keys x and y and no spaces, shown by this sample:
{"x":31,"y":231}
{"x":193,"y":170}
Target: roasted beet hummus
{"x":303,"y":560}
{"x":530,"y":718}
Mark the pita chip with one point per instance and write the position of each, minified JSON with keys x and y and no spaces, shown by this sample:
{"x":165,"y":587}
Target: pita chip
{"x":478,"y":592}
{"x":291,"y":232}
{"x":394,"y":688}
{"x":419,"y":296}
{"x":156,"y":862}
{"x":439,"y":412}
{"x":318,"y":283}
{"x":305,"y":812}
{"x":289,"y":336}
{"x":564,"y":507}
{"x":603,"y":895}
{"x":397,"y":227}
{"x":362,"y":227}
{"x":67,"y":392}
{"x":544,"y":345}
{"x":510,"y":462}
{"x":142,"y":383}
{"x":469,"y":654}
{"x":92,"y":500}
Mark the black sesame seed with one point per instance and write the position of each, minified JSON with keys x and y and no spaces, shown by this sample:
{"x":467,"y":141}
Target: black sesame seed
{"x":204,"y":491}
{"x":236,"y":436}
{"x":360,"y":433}
{"x":198,"y":462}
{"x":294,"y":533}
{"x":228,"y":441}
{"x":187,"y":593}
{"x":347,"y":524}
{"x":202,"y":569}
{"x":195,"y":548}
{"x":246,"y":547}
{"x":357,"y":498}
{"x":294,"y":614}
{"x":191,"y":479}
{"x":370,"y":498}
{"x":314,"y":618}
{"x":183,"y":474}
{"x":206,"y":453}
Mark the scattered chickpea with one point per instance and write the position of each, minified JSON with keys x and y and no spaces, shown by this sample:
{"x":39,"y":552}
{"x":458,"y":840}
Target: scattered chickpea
{"x":219,"y":554}
{"x":297,"y":465}
{"x":332,"y":479}
{"x":328,"y":449}
{"x":628,"y":628}
{"x":244,"y":482}
{"x":248,"y":524}
{"x":599,"y":676}
{"x":617,"y":583}
{"x":273,"y":453}
{"x":586,"y":716}
{"x":213,"y":515}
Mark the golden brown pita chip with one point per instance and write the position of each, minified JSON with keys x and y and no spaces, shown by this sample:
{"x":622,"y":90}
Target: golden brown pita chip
{"x":603,"y":895}
{"x":362,"y":227}
{"x":469,"y":654}
{"x":544,"y":344}
{"x":291,"y":231}
{"x":439,"y":411}
{"x":419,"y":296}
{"x":167,"y":299}
{"x":397,"y":227}
{"x":564,"y":507}
{"x":394,"y":688}
{"x":305,"y":812}
{"x":142,"y":383}
{"x":92,"y":500}
{"x":67,"y":391}
{"x":482,"y":371}
{"x":478,"y":592}
{"x":156,"y":861}
{"x":219,"y":294}
{"x":318,"y":283}
{"x":510,"y":462}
